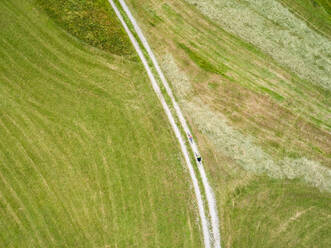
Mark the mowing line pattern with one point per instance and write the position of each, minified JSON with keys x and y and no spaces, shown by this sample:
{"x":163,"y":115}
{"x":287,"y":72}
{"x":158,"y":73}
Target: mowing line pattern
{"x":84,"y":145}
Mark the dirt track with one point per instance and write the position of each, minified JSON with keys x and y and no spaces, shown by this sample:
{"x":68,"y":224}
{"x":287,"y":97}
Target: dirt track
{"x":211,"y":237}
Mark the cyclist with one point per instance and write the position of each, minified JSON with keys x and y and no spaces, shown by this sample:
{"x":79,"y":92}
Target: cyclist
{"x":199,"y":159}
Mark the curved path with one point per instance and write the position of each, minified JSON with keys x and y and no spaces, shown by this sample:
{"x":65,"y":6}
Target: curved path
{"x":213,"y":236}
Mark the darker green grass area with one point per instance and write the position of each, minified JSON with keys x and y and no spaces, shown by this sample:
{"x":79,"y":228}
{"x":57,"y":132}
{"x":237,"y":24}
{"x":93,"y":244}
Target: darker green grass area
{"x":272,"y":213}
{"x":93,"y":22}
{"x":203,"y":63}
{"x":317,"y":13}
{"x":272,"y":93}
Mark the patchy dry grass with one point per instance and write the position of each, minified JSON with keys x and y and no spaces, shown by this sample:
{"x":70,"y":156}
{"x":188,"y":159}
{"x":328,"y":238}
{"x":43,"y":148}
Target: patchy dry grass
{"x":261,"y":128}
{"x":243,"y":149}
{"x":249,"y":155}
{"x":276,"y":31}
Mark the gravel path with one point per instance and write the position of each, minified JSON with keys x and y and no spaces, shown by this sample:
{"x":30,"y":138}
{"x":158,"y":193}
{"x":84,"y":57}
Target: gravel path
{"x":211,"y":237}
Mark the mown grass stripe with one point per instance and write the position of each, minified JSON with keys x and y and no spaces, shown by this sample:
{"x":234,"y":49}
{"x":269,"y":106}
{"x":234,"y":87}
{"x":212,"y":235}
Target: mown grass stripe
{"x":82,"y":84}
{"x":32,"y":225}
{"x":12,"y":215}
{"x":32,"y":159}
{"x":57,"y":61}
{"x":36,"y":70}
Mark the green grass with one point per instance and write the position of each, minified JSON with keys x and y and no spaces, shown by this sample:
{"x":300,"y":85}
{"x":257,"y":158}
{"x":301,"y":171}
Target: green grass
{"x":317,"y":13}
{"x":84,"y":147}
{"x":91,"y":21}
{"x":204,"y":64}
{"x":274,"y":213}
{"x":87,"y":158}
{"x":272,"y":94}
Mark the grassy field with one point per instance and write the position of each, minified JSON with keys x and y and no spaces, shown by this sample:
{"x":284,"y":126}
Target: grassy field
{"x":262,"y":124}
{"x":316,"y":13}
{"x":87,"y":158}
{"x":301,"y":219}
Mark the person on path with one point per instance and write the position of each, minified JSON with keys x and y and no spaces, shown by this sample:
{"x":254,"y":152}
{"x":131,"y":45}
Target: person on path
{"x":190,"y":137}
